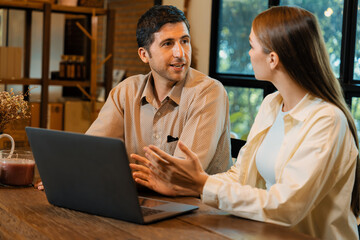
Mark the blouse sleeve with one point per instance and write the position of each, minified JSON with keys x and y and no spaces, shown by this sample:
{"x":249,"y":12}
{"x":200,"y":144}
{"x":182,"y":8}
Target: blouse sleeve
{"x":319,"y":160}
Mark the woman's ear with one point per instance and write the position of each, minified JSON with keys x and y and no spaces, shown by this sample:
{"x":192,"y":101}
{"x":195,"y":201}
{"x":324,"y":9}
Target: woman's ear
{"x":273,"y":60}
{"x":143,"y":54}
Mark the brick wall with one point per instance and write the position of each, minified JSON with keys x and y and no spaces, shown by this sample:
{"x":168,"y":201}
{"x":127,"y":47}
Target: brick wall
{"x":125,"y":46}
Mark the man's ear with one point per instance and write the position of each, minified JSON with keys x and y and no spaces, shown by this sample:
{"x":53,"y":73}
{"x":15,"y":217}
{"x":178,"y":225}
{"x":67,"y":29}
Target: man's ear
{"x":143,"y":54}
{"x":273,"y":60}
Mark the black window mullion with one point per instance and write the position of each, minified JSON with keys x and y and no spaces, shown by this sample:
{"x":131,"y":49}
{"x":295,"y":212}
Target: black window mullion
{"x":274,"y":3}
{"x":348,"y":42}
{"x":215,"y":12}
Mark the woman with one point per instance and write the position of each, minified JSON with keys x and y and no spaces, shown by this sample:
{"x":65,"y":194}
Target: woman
{"x":298,"y":167}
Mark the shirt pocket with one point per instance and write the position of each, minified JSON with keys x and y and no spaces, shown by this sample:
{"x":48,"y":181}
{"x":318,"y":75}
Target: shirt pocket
{"x":170,"y":147}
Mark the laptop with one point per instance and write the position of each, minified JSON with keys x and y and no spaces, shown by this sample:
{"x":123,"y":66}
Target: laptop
{"x":92,"y":174}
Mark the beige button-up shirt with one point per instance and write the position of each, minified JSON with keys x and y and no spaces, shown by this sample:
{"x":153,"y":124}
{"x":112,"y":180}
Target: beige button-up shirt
{"x":195,"y":112}
{"x":314,"y":172}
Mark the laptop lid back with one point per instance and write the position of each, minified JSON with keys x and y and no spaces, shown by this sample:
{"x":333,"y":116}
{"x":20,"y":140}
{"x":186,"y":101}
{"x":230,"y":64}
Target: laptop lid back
{"x":78,"y":172}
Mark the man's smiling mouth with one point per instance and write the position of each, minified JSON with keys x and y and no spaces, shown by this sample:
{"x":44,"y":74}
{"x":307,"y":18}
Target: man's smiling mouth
{"x":177,"y":65}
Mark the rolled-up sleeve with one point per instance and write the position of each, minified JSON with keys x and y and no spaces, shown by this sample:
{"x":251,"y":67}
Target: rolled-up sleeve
{"x":110,"y":121}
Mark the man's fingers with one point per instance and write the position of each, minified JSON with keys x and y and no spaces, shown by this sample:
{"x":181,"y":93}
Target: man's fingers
{"x":155,"y":159}
{"x":138,"y":167}
{"x":140,"y":159}
{"x":39,"y":185}
{"x":141,"y":175}
{"x":160,"y":154}
{"x":186,"y":150}
{"x":144,"y":183}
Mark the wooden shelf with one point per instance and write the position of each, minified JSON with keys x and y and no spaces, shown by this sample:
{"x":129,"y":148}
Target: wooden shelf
{"x":67,"y":83}
{"x":38,"y":6}
{"x":22,"y":5}
{"x":23,"y":81}
{"x":77,"y":10}
{"x":37,"y":81}
{"x":44,"y":81}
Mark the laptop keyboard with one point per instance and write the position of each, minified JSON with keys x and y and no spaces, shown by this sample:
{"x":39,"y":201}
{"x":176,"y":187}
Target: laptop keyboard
{"x":149,"y":211}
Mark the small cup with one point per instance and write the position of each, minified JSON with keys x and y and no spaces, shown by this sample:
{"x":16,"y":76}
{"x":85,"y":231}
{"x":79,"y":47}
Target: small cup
{"x":18,"y":169}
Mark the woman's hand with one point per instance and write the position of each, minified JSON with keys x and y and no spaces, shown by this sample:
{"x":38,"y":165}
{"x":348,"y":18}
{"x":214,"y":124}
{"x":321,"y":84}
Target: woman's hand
{"x":170,"y":175}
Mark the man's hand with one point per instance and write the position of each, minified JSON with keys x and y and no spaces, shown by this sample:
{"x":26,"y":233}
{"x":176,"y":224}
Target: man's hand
{"x":144,"y":176}
{"x":170,"y":175}
{"x":39,"y":185}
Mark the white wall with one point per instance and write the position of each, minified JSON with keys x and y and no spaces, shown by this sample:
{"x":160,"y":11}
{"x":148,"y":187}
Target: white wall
{"x":199,"y":16}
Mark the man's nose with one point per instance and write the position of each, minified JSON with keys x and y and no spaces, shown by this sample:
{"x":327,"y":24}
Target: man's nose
{"x":178,"y":50}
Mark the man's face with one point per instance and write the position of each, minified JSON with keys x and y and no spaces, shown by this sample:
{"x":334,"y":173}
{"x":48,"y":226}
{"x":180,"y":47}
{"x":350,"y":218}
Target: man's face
{"x":170,"y":53}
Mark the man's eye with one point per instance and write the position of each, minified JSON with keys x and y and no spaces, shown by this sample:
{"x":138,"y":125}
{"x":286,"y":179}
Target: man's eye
{"x":185,"y":41}
{"x":167,"y":44}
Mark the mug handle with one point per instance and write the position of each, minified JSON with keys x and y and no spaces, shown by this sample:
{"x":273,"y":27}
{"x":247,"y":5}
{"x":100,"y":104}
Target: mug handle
{"x":12,"y":143}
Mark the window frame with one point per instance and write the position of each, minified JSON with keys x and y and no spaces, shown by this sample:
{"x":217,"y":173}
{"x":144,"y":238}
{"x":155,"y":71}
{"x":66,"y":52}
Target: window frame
{"x":350,"y":86}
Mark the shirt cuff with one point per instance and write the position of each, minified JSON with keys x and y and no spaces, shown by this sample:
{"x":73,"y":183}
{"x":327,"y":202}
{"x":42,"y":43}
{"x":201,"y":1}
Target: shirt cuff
{"x":210,"y":191}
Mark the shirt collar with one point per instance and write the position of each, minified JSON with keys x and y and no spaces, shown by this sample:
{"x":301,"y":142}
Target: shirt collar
{"x":300,"y":111}
{"x":148,"y":95}
{"x":174,"y":94}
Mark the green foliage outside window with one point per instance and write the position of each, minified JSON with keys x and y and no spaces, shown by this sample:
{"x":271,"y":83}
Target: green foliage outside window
{"x":234,"y":29}
{"x":244,"y":105}
{"x":357,"y":47}
{"x":330,"y":17}
{"x":355,"y":111}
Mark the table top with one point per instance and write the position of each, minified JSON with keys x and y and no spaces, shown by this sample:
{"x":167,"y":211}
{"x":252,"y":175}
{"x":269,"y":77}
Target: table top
{"x":26,"y":214}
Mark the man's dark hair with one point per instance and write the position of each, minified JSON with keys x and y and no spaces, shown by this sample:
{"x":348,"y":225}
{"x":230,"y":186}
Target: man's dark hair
{"x":151,"y":21}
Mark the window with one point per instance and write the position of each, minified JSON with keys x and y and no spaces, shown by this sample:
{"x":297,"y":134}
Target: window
{"x":329,"y":15}
{"x":244,"y":104}
{"x":234,"y":30}
{"x":230,"y":62}
{"x":357,"y":48}
{"x":355,"y":111}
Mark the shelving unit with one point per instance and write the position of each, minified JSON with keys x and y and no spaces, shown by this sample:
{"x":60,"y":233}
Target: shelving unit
{"x":45,"y":81}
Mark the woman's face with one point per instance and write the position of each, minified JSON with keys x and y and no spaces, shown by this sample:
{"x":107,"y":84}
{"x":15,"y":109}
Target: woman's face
{"x":259,"y":59}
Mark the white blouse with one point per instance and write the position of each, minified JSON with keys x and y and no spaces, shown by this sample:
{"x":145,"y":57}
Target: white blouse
{"x":269,"y":149}
{"x":314,"y":172}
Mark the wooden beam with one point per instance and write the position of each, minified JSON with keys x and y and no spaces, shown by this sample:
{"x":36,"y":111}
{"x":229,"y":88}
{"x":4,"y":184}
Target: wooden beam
{"x":45,"y":65}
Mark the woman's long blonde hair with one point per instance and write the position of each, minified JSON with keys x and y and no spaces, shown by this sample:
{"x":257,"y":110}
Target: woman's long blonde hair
{"x":294,"y":34}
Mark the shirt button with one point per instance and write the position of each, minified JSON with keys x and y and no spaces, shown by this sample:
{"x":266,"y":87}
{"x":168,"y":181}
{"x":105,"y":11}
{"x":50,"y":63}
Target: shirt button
{"x":157,"y":136}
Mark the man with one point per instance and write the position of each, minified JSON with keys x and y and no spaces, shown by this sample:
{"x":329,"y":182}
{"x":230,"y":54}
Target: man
{"x":173,"y":102}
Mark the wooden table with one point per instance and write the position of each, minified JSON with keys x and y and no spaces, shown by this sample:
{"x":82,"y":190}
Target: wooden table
{"x":26,"y":214}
